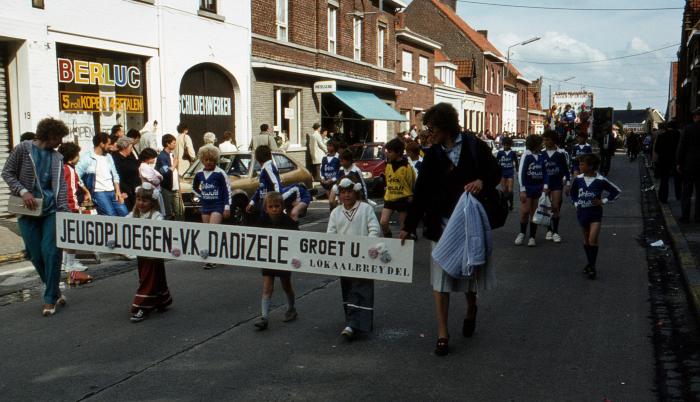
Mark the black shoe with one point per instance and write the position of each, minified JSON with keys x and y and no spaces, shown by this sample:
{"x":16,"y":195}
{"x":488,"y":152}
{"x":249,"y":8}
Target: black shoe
{"x":442,"y":348}
{"x":469,"y":325}
{"x":209,"y":265}
{"x":587,"y":269}
{"x":261,"y":324}
{"x":592,"y":272}
{"x":139,"y":316}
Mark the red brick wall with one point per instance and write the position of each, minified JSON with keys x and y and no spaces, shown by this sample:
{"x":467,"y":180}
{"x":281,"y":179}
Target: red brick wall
{"x":494,"y":101}
{"x":418,"y":95}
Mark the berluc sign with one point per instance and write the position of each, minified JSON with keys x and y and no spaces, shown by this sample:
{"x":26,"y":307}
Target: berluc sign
{"x":321,"y":87}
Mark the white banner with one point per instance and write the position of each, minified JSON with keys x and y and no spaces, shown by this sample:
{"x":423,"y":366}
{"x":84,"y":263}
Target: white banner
{"x":286,"y":250}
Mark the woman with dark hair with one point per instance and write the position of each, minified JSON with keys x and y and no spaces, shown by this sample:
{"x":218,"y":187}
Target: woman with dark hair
{"x":135,"y":136}
{"x":127,"y":166}
{"x":229,"y":142}
{"x":455,"y":163}
{"x":34,"y":171}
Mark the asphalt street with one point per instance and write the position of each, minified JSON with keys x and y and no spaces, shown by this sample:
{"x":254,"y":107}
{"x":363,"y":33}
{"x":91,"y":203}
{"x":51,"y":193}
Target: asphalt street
{"x":545,"y":334}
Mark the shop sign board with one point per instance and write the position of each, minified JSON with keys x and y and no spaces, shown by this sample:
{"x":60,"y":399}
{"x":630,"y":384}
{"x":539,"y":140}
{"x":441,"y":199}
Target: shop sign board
{"x":322,"y":87}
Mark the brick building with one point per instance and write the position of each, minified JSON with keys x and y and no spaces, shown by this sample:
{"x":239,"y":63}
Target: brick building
{"x":461,"y":43}
{"x":536,"y":116}
{"x":415,"y":61}
{"x":348,"y":44}
{"x":688,"y":97}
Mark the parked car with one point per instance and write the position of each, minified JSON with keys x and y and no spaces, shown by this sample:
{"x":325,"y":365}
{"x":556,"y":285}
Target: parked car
{"x":244,"y":174}
{"x":492,"y":145}
{"x":518,"y":146}
{"x":371,"y":159}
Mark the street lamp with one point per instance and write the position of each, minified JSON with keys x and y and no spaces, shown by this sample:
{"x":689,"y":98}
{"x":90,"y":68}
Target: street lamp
{"x":523,"y":43}
{"x":560,"y":82}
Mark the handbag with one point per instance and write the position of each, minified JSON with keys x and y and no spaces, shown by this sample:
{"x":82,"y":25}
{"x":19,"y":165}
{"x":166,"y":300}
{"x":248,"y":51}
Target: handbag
{"x":15,"y":204}
{"x":543,"y":214}
{"x":492,"y":199}
{"x":185,"y":152}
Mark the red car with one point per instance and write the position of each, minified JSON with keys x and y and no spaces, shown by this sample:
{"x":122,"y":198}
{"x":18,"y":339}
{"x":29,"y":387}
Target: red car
{"x":371,"y":159}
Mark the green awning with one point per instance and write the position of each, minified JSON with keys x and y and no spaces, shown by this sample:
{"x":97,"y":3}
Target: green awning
{"x":368,"y":105}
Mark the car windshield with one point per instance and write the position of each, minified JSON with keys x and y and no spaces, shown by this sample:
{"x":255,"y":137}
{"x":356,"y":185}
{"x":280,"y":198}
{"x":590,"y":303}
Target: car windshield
{"x":224,"y":163}
{"x":518,"y":143}
{"x":368,"y":152}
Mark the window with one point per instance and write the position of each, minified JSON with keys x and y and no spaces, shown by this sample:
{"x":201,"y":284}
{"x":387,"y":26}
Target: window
{"x":492,"y":79}
{"x":407,"y":65}
{"x":423,"y":70}
{"x":486,"y":79}
{"x":332,"y":29}
{"x":381,"y":34}
{"x":283,"y":163}
{"x":357,"y":38}
{"x":282,"y":20}
{"x":208,"y":5}
{"x":38,"y":4}
{"x":498,"y":82}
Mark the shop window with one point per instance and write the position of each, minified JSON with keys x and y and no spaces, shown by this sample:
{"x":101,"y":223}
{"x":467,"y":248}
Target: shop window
{"x":357,"y":38}
{"x":208,"y":5}
{"x":332,"y":29}
{"x":423,"y":70}
{"x":381,"y":35}
{"x":283,"y":20}
{"x":287,"y":114}
{"x":38,"y":4}
{"x":407,"y":65}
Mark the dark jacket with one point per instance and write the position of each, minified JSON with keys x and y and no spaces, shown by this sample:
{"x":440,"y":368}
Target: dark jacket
{"x":165,"y":168}
{"x":128,"y":169}
{"x":284,"y":222}
{"x":688,"y":153}
{"x":665,"y":148}
{"x":440,"y":185}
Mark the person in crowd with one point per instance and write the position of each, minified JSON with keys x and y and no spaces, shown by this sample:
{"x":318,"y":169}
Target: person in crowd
{"x":414,"y":158}
{"x":26,"y":136}
{"x":269,"y":179}
{"x":297,"y":199}
{"x":330,"y":167}
{"x":400,"y":179}
{"x":688,"y":165}
{"x":97,"y":170}
{"x":127,"y":166}
{"x":532,"y":177}
{"x":275,"y":218}
{"x":347,"y":168}
{"x":229,"y":142}
{"x":580,"y":148}
{"x":184,"y":150}
{"x":166,"y":166}
{"x":355,"y":218}
{"x":665,"y":148}
{"x":608,"y":145}
{"x":149,"y":174}
{"x":454,"y":164}
{"x":148,"y":136}
{"x":413,"y":132}
{"x":112,"y":147}
{"x":317,"y":149}
{"x":213,"y":188}
{"x":34,"y":171}
{"x":117,"y":131}
{"x":587,"y":193}
{"x":264,"y":138}
{"x":135,"y":136}
{"x":153,"y":292}
{"x":633,"y":143}
{"x":75,"y":190}
{"x":507,"y":160}
{"x":556,"y":164}
{"x":209,"y":138}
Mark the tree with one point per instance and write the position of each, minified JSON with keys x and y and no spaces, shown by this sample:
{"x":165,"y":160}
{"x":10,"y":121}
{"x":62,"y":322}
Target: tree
{"x":629,"y":105}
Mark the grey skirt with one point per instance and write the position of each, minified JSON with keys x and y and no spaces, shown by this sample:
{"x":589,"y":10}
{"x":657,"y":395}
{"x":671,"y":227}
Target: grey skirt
{"x":484,"y":278}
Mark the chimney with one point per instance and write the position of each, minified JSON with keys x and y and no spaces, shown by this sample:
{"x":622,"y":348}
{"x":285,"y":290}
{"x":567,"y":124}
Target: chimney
{"x":450,"y":3}
{"x":484,"y":32}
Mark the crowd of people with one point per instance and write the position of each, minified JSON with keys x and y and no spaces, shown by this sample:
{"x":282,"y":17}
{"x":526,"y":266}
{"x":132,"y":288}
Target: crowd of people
{"x":432,"y":178}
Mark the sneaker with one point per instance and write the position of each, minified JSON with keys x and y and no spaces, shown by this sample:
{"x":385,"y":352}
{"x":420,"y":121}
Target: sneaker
{"x":531,"y":242}
{"x":49,"y":309}
{"x":209,"y":265}
{"x":556,"y":238}
{"x":62,"y":301}
{"x":290,"y":315}
{"x":520,"y":239}
{"x":591,"y":272}
{"x":138,"y":316}
{"x":347,"y":333}
{"x":262,"y":324}
{"x":548,"y":236}
{"x":76,"y":266}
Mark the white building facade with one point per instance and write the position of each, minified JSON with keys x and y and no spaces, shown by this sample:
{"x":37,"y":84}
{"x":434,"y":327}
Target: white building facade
{"x":510,"y":111}
{"x":97,"y":63}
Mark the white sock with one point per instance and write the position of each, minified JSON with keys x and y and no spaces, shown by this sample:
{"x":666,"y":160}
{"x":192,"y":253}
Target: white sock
{"x":70,"y":259}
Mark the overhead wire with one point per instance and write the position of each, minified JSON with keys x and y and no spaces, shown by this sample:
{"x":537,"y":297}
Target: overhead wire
{"x":484,"y":3}
{"x":596,"y":61}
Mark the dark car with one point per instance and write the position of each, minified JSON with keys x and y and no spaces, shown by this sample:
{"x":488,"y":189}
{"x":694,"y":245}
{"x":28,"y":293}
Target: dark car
{"x":371,"y":159}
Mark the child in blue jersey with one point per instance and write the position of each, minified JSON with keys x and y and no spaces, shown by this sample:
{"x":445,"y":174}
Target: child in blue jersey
{"x":269,"y":179}
{"x":507,"y":160}
{"x":347,"y":168}
{"x":296,"y":200}
{"x":330,"y":166}
{"x":213,"y":188}
{"x":558,"y":180}
{"x":532,"y":177}
{"x":580,"y":148}
{"x":587,"y":194}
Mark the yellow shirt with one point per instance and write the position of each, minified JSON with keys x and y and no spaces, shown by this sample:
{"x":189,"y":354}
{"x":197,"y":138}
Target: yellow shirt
{"x":399,"y":182}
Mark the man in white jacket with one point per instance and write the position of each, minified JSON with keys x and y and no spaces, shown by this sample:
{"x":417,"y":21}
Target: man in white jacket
{"x":317,"y":150}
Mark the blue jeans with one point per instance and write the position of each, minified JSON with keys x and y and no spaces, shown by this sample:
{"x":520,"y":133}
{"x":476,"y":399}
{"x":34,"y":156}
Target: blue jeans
{"x":39,"y":235}
{"x":107,"y":205}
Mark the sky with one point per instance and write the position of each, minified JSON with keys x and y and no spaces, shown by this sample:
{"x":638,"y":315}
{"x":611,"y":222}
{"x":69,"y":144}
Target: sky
{"x":568,"y":36}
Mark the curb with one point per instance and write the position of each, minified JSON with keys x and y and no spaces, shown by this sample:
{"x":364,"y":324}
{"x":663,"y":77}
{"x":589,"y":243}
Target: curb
{"x":14,"y":257}
{"x":681,"y":250}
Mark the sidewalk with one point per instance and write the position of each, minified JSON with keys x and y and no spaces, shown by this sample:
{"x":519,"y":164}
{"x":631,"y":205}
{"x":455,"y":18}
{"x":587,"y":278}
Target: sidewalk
{"x":11,"y":244}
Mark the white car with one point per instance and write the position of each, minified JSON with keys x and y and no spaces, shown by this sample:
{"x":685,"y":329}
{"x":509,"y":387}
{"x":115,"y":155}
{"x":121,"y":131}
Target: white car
{"x":518,"y":146}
